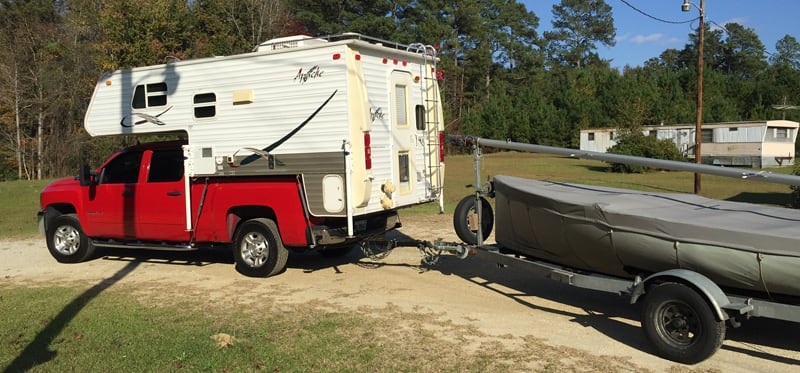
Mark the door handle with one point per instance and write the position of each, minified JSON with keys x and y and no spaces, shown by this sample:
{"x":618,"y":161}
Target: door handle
{"x":174,"y":193}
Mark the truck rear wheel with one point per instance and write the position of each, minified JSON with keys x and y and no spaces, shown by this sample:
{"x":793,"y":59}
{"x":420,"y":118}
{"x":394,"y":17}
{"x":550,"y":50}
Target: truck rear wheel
{"x":259,"y":251}
{"x":680,"y":324}
{"x":66,"y":241}
{"x":465,"y":212}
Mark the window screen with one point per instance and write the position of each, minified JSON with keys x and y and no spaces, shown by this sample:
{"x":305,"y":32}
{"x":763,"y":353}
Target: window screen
{"x":707,"y":135}
{"x":400,"y":105}
{"x":404,"y":171}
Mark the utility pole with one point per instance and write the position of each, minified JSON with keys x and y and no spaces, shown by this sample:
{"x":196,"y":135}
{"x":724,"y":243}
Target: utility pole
{"x":698,"y":139}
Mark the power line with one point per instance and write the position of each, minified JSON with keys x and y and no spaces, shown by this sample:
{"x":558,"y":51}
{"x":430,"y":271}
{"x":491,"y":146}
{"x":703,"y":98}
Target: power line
{"x":656,"y":18}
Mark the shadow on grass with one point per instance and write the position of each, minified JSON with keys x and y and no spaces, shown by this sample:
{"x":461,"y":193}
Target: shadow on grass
{"x":38,"y":352}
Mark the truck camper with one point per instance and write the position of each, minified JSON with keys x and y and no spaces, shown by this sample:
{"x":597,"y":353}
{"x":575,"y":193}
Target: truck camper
{"x":302,"y":143}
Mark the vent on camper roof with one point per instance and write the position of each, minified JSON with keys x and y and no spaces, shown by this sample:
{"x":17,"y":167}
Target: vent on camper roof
{"x":289,"y":42}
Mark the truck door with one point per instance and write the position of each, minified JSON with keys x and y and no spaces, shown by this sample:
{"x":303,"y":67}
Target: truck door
{"x":110,"y":205}
{"x":160,"y":199}
{"x":408,"y":148}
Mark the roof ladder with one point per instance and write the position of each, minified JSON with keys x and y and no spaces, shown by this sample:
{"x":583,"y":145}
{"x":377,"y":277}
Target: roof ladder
{"x":431,"y":101}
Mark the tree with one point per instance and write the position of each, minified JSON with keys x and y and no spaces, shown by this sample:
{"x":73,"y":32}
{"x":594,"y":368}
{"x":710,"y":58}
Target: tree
{"x":577,"y":26}
{"x":634,"y":142}
{"x":327,"y":17}
{"x":743,"y":52}
{"x":787,"y":52}
{"x":225,"y":27}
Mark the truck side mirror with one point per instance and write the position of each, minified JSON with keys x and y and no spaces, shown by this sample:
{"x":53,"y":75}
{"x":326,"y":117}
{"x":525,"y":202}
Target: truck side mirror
{"x":85,"y":176}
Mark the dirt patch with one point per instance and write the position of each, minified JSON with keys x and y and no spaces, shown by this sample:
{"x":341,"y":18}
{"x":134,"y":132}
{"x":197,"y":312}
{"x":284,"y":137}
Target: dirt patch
{"x":468,"y":306}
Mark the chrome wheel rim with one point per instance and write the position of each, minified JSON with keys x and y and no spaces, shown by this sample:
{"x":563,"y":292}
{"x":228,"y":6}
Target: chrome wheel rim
{"x":254,"y":249}
{"x":67,"y":240}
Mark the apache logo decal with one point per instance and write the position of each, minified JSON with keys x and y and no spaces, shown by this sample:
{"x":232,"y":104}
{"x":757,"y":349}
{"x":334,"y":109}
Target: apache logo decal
{"x":265,"y":152}
{"x":146,"y":118}
{"x":312,"y":73}
{"x":376,"y":113}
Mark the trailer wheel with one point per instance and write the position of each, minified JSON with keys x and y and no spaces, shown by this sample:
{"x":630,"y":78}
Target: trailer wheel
{"x":259,"y":251}
{"x":465,"y":212}
{"x":680,"y":324}
{"x":66,"y":241}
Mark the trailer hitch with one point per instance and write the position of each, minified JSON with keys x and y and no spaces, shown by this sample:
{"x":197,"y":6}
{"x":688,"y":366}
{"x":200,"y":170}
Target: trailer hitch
{"x":378,"y":249}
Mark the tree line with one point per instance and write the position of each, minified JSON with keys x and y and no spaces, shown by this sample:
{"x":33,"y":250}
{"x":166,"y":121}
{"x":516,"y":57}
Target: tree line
{"x":501,"y":78}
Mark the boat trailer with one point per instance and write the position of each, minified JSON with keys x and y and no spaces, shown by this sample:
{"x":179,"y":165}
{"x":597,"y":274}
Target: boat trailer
{"x":684,"y":312}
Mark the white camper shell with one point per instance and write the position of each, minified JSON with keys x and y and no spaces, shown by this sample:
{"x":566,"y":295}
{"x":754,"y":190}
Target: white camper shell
{"x":359,"y":120}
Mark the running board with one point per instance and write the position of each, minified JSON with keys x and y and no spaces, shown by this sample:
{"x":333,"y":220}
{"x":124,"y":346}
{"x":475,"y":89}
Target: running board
{"x":144,"y":245}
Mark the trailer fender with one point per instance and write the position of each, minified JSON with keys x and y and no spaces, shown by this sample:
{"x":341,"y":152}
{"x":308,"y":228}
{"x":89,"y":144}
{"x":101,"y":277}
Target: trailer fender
{"x":709,"y":290}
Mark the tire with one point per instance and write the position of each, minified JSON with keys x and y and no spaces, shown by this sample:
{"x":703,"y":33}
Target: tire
{"x":461,"y":216}
{"x":258,"y":250}
{"x":66,"y":241}
{"x":680,"y":324}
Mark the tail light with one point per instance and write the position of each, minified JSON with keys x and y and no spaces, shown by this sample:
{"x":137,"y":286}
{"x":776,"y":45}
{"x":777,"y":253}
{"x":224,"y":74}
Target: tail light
{"x":441,"y":147}
{"x":367,"y":151}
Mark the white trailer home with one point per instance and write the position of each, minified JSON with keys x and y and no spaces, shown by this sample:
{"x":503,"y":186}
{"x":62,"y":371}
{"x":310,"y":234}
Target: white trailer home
{"x":751,"y":144}
{"x":359,"y":120}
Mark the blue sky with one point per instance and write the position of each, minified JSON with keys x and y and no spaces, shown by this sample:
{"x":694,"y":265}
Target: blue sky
{"x":640,"y":38}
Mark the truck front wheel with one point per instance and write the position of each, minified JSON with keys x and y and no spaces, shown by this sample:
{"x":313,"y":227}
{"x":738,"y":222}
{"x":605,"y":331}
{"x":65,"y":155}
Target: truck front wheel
{"x":66,"y":241}
{"x":259,"y":251}
{"x":680,"y":324}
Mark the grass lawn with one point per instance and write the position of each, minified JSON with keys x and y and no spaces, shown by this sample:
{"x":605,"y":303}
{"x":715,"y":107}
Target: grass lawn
{"x":69,"y":329}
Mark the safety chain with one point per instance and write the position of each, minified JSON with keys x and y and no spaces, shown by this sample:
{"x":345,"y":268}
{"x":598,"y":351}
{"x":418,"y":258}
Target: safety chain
{"x":377,"y":249}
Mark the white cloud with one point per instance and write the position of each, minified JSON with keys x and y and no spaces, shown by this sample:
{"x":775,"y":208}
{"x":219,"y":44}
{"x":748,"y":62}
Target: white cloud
{"x":620,"y":39}
{"x":647,"y":39}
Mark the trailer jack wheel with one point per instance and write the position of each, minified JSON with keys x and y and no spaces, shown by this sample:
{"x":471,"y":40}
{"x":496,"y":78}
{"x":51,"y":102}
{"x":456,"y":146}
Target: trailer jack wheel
{"x":465,"y":219}
{"x":680,"y":324}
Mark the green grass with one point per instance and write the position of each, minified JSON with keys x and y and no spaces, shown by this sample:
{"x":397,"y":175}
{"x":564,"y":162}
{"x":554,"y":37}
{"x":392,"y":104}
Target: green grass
{"x":19,"y":202}
{"x":70,"y":329}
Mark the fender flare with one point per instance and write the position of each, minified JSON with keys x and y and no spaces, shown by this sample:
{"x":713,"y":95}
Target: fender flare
{"x":709,"y":290}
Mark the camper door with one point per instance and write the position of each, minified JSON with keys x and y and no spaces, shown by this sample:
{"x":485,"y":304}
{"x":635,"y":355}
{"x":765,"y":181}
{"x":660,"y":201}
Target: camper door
{"x":408,"y":150}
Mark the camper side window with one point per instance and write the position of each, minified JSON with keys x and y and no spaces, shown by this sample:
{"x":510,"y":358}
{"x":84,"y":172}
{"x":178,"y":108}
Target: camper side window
{"x":149,"y":95}
{"x":205,"y":105}
{"x":420,"y":111}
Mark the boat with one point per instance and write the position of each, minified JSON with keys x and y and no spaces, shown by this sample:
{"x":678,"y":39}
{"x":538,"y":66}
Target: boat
{"x":744,"y":248}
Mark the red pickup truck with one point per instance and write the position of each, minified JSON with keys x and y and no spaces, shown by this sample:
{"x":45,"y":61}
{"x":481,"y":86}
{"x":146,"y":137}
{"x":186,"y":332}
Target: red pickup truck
{"x":138,"y":199}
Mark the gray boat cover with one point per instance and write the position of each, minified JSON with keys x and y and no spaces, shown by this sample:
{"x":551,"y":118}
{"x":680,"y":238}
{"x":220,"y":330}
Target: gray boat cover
{"x":611,"y":231}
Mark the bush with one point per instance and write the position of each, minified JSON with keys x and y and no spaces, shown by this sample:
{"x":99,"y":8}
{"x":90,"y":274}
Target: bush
{"x":637,"y":144}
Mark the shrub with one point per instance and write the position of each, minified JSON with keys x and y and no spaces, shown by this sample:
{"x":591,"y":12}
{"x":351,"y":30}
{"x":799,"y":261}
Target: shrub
{"x":637,"y":144}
